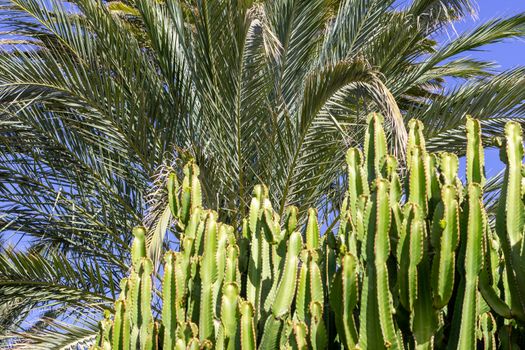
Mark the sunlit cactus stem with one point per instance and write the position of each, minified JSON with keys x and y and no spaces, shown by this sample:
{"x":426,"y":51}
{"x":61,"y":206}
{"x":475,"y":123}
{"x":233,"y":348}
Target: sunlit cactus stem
{"x":510,"y":218}
{"x":208,"y":274}
{"x":343,"y":300}
{"x":287,"y":284}
{"x":445,"y":240}
{"x":230,"y":314}
{"x":169,"y":301}
{"x":378,"y":331}
{"x":173,"y":194}
{"x":376,"y":147}
{"x":248,"y":337}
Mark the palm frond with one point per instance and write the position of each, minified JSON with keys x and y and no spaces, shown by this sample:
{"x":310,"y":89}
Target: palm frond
{"x":493,"y":100}
{"x":58,"y":335}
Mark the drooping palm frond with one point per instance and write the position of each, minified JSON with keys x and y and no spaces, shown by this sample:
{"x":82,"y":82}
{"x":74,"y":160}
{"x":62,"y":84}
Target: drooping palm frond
{"x":493,"y":100}
{"x":45,"y":292}
{"x":272,"y":92}
{"x":44,"y":277}
{"x":53,"y":334}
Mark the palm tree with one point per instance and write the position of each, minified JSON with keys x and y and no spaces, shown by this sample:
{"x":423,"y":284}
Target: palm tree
{"x":100,"y":99}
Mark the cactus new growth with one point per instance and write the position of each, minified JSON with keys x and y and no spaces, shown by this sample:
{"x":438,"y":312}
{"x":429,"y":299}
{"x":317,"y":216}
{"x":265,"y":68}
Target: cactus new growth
{"x":413,"y":264}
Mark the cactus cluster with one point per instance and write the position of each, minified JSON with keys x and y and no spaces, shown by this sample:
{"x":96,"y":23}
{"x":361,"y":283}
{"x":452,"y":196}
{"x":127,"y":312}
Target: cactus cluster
{"x":416,"y":262}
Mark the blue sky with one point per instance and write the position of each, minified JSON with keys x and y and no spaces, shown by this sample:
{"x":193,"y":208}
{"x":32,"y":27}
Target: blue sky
{"x":507,"y":54}
{"x":510,"y":53}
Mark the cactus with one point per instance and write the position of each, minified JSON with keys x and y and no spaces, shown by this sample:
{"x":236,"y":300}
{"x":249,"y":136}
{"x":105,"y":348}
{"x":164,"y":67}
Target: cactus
{"x":414,"y":262}
{"x":445,"y":236}
{"x":343,"y":300}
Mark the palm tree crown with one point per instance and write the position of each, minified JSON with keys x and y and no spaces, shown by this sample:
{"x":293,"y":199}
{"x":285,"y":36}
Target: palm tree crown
{"x":100,"y":99}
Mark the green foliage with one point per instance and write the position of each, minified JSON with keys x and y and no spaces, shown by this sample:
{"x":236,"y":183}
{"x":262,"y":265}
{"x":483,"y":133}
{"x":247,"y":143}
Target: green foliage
{"x":412,"y":266}
{"x":99,"y":98}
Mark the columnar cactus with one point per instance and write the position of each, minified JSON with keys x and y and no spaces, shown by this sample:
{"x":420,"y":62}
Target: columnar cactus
{"x":413,"y":264}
